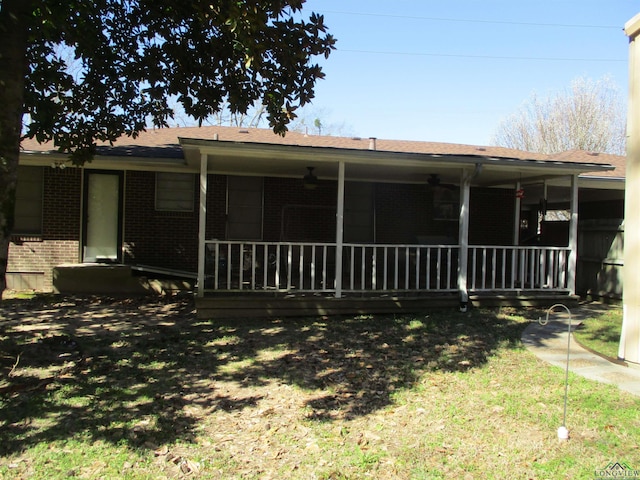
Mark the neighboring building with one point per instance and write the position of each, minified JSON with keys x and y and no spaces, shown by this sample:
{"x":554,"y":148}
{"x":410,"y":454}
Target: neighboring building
{"x":228,"y":208}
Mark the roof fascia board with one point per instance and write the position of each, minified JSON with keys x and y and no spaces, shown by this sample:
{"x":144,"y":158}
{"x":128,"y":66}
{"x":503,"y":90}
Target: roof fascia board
{"x":602,"y":183}
{"x":632,"y":27}
{"x":591,"y":181}
{"x":107,"y":162}
{"x":41,"y":159}
{"x":378,"y":157}
{"x":139,"y":163}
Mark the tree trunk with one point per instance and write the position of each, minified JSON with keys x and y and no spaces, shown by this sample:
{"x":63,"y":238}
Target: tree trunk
{"x":14,"y":20}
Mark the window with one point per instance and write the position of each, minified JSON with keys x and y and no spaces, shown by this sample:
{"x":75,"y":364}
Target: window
{"x":28,"y":210}
{"x":174,"y":192}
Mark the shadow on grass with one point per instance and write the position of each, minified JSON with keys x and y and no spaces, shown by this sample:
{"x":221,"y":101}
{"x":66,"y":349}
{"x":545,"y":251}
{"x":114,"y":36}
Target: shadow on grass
{"x":604,"y":334}
{"x":143,"y":372}
{"x":601,"y":334}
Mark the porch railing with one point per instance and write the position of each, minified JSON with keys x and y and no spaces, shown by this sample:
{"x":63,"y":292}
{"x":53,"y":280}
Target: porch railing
{"x":273,"y":266}
{"x":311,"y":267}
{"x":399,"y":267}
{"x":518,"y":268}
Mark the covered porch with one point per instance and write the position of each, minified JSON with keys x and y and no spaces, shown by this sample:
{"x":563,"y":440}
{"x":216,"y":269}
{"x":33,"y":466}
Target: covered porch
{"x":276,"y":276}
{"x":298,"y":278}
{"x":311,"y":268}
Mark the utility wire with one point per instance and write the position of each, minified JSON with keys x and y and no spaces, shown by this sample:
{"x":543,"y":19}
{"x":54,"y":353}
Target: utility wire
{"x":462,"y":20}
{"x":494,"y":57}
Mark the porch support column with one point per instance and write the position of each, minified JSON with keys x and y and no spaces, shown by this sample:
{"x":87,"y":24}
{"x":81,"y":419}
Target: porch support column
{"x":463,"y":234}
{"x":202,"y":223}
{"x":629,"y":348}
{"x":463,"y":240}
{"x":339,"y":229}
{"x":516,"y":216}
{"x":573,"y":236}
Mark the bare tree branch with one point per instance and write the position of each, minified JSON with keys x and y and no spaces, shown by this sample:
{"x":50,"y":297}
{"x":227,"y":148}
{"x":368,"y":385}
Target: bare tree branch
{"x":589,"y":116}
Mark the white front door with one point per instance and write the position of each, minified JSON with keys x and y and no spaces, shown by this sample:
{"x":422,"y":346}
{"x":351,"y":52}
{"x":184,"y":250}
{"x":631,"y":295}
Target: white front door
{"x":102,"y":218}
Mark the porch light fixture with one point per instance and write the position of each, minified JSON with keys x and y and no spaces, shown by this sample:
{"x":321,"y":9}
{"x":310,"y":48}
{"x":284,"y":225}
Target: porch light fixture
{"x":310,"y":181}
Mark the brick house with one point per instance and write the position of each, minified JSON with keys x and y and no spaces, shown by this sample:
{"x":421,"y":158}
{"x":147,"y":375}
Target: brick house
{"x":243,"y":211}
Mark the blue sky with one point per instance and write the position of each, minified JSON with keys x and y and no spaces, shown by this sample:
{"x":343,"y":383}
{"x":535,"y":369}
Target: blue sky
{"x":450,"y":71}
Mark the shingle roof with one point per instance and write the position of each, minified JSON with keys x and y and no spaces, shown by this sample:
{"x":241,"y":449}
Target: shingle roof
{"x":164,"y":143}
{"x":618,"y":161}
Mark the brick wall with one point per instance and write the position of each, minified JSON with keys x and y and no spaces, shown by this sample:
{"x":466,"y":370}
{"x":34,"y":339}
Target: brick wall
{"x":170,"y":239}
{"x":31,"y":259}
{"x":167,"y":239}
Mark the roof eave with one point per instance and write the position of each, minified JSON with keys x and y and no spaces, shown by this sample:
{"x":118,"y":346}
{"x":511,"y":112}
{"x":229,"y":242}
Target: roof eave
{"x":333,"y":154}
{"x":105,"y":162}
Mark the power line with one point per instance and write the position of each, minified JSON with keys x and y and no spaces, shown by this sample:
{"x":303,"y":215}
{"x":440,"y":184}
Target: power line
{"x":492,"y":57}
{"x":462,"y":20}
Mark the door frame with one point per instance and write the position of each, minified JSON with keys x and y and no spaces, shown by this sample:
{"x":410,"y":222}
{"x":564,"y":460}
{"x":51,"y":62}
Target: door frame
{"x":85,"y":209}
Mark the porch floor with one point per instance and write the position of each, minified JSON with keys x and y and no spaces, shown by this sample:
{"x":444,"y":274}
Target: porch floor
{"x":226,"y":305}
{"x":104,"y":278}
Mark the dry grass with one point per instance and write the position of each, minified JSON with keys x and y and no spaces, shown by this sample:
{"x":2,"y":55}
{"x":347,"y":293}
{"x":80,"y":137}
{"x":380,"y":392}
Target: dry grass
{"x":138,"y":388}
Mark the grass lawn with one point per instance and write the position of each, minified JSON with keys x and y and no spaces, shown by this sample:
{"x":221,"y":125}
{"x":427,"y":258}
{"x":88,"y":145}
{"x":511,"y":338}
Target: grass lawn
{"x":602,"y":333}
{"x":141,"y":389}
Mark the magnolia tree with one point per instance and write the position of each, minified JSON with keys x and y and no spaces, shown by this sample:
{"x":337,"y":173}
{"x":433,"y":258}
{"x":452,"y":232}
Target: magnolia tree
{"x":589,"y":116}
{"x":87,"y":71}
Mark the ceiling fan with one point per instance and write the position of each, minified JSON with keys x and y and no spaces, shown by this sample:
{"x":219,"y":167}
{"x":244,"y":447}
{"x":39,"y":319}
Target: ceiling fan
{"x":434,"y":181}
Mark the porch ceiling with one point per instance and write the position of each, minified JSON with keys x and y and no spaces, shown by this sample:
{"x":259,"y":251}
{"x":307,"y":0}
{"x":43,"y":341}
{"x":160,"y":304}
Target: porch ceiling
{"x":236,"y":158}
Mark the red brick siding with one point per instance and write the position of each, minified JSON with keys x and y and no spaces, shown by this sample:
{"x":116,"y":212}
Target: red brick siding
{"x":62,"y":202}
{"x":167,"y":239}
{"x":60,"y":238}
